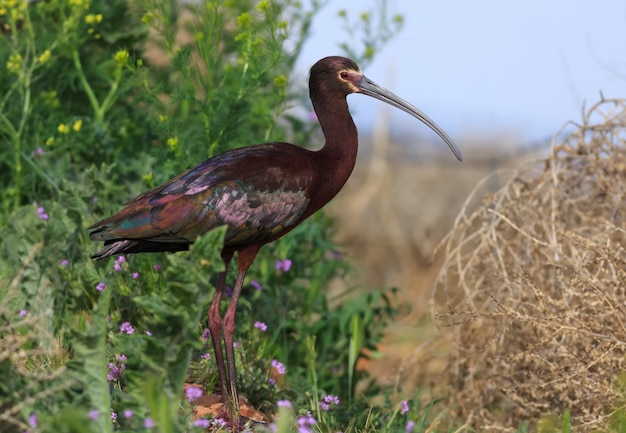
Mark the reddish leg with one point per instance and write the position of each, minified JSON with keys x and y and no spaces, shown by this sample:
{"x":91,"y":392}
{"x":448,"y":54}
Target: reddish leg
{"x":245,"y":259}
{"x":215,"y":326}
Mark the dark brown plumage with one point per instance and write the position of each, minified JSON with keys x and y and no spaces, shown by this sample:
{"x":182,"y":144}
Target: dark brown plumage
{"x":259,"y":192}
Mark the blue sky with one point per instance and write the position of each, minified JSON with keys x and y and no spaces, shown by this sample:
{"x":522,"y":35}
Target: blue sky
{"x":483,"y":67}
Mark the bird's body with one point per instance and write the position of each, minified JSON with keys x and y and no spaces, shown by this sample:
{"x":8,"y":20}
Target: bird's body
{"x":259,"y":192}
{"x":251,"y":190}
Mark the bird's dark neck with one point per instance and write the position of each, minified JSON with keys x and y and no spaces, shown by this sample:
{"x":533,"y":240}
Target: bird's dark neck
{"x":340,"y":150}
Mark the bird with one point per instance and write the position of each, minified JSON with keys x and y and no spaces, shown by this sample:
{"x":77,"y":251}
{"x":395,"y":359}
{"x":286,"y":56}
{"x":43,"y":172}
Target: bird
{"x":260,"y":192}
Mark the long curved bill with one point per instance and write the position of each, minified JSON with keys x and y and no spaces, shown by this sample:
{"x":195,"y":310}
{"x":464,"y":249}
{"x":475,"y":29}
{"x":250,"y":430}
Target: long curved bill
{"x":369,"y":88}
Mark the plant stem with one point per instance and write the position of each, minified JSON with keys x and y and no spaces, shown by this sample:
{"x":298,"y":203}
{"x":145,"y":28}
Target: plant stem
{"x":98,"y":113}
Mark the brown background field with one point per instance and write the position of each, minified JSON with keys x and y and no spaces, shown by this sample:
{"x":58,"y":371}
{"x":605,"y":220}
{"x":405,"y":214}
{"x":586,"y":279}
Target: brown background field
{"x":527,"y":291}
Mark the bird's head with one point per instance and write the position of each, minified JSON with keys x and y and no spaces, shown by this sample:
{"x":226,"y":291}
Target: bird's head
{"x":340,"y":76}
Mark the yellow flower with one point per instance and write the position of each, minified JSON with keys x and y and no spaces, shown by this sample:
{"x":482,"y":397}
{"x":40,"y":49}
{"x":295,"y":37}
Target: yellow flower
{"x":263,"y":6}
{"x":244,"y":19}
{"x":63,"y":128}
{"x":148,"y":178}
{"x":77,"y":125}
{"x":162,"y":118}
{"x":13,"y":65}
{"x":3,"y":11}
{"x":45,"y":56}
{"x":280,"y":81}
{"x":93,"y":18}
{"x":121,"y":57}
{"x":49,"y":141}
{"x":172,"y":142}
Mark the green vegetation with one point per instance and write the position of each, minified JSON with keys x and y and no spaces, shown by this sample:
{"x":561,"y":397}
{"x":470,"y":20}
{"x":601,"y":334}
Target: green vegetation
{"x":101,"y":100}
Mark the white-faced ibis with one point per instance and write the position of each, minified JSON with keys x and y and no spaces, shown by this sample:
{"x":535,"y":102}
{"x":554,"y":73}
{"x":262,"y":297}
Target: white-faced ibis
{"x":259,"y":192}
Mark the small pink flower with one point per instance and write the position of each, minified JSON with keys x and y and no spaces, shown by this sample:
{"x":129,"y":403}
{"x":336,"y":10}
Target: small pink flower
{"x":135,"y":275}
{"x":101,"y":286}
{"x":192,"y":393}
{"x":202,"y":422}
{"x":127,"y":328}
{"x":42,"y":213}
{"x":34,"y":153}
{"x":404,"y":407}
{"x":23,"y":313}
{"x":283,"y":265}
{"x":261,"y":326}
{"x":279,"y":366}
{"x":65,"y":262}
{"x":284,"y":403}
{"x":32,"y":420}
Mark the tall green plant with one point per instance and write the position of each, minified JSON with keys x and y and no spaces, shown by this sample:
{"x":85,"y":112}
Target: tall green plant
{"x":86,"y":121}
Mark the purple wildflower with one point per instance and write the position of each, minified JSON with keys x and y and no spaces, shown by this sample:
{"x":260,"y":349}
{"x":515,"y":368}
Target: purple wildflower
{"x":331,"y":399}
{"x":93,"y":414}
{"x":256,"y":285}
{"x":328,"y":400}
{"x":305,"y":423}
{"x":228,"y":291}
{"x":218,"y":422}
{"x":192,"y":393}
{"x":116,"y":369}
{"x":101,"y":286}
{"x":127,"y":328}
{"x":42,"y":213}
{"x":135,"y":275}
{"x":279,"y":366}
{"x":65,"y":262}
{"x":34,"y":153}
{"x":32,"y":420}
{"x":114,"y":416}
{"x":409,"y":426}
{"x":271,"y":381}
{"x":284,"y":403}
{"x":117,"y":266}
{"x":206,"y":356}
{"x":23,"y":313}
{"x":156,"y":267}
{"x":202,"y":422}
{"x":94,"y":199}
{"x":148,"y":423}
{"x":261,"y":326}
{"x":283,"y":265}
{"x":205,"y":334}
{"x":148,"y":333}
{"x":404,"y":407}
{"x":128,"y":413}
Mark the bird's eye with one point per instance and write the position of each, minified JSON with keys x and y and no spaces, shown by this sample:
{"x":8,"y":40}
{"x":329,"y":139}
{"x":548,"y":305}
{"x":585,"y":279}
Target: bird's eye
{"x":344,"y":75}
